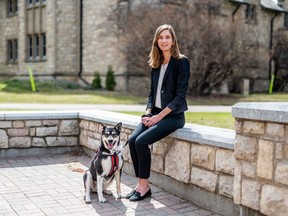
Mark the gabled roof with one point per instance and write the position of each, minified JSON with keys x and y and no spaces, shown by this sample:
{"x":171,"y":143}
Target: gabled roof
{"x":271,"y":5}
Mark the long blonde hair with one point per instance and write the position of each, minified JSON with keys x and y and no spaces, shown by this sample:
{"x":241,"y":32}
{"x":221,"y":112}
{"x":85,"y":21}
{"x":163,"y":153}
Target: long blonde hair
{"x":156,"y":57}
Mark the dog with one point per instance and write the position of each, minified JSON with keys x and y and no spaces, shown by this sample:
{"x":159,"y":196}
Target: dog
{"x":105,"y":165}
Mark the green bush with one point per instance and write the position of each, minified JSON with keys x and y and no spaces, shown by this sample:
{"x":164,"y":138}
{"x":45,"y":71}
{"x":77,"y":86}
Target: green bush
{"x":96,"y":83}
{"x":110,"y":79}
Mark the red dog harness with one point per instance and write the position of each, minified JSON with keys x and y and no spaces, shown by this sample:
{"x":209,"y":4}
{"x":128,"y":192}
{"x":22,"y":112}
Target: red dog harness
{"x":114,"y":162}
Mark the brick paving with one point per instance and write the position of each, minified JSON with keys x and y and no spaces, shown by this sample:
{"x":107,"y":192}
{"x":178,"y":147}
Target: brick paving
{"x":52,"y":185}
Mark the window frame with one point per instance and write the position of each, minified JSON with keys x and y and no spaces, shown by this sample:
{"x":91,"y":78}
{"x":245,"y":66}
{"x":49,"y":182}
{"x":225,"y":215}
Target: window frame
{"x":286,"y":21}
{"x":36,"y":48}
{"x":11,"y":8}
{"x":283,"y":59}
{"x":12,"y":51}
{"x":250,"y":14}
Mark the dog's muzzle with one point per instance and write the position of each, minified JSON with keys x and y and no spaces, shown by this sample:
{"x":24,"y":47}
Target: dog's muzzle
{"x":110,"y":144}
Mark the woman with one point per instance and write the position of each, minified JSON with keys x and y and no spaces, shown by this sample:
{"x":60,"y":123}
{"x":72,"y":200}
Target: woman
{"x":165,"y":107}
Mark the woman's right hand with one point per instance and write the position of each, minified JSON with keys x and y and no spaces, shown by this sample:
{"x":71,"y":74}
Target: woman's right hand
{"x":145,"y":120}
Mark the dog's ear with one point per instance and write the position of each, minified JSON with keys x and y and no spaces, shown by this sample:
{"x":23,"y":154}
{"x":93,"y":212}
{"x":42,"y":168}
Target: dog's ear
{"x":103,"y":126}
{"x":118,"y":126}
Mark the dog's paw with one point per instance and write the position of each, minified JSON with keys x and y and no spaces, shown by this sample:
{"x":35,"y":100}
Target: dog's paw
{"x":87,"y":200}
{"x":102,"y":200}
{"x":108,"y":192}
{"x":119,"y":196}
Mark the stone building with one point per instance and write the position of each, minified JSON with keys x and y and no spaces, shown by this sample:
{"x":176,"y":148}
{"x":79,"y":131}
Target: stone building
{"x":64,"y":39}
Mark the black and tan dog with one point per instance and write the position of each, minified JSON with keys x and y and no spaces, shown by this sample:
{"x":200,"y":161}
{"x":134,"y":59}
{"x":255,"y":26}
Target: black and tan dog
{"x":105,"y":165}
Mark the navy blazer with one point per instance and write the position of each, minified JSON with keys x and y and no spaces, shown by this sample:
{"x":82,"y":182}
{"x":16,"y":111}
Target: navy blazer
{"x":174,"y":86}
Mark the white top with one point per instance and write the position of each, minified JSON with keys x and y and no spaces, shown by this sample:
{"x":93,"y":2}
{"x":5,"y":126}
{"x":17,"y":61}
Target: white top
{"x":159,"y":86}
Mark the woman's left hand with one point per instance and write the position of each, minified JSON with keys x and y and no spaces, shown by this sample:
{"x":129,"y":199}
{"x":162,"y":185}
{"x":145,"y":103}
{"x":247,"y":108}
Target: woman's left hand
{"x":153,"y":120}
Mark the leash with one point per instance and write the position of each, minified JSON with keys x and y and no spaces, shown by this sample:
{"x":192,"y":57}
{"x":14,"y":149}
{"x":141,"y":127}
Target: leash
{"x":126,"y":143}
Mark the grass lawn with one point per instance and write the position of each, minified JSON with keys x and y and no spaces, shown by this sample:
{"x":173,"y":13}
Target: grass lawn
{"x":15,"y":91}
{"x":221,"y":120}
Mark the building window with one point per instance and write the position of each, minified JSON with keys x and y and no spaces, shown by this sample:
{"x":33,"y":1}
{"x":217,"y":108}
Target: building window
{"x":250,"y":14}
{"x":33,"y":3}
{"x":283,"y":59}
{"x":12,"y":7}
{"x":12,"y":51}
{"x":36,"y":28}
{"x":286,"y":21}
{"x":43,"y":45}
{"x":36,"y":47}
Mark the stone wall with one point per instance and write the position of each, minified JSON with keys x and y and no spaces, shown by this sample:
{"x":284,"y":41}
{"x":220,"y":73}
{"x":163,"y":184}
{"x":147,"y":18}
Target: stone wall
{"x":191,"y":156}
{"x":261,"y":168}
{"x":243,"y":173}
{"x":38,"y":133}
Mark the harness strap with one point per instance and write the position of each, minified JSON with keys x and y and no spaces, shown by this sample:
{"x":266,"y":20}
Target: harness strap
{"x":114,"y":164}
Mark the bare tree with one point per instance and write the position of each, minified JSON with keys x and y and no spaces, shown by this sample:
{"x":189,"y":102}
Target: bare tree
{"x":201,"y":35}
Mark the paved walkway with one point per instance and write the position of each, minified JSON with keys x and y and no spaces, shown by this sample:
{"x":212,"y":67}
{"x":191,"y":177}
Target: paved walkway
{"x":106,"y":107}
{"x":52,"y":185}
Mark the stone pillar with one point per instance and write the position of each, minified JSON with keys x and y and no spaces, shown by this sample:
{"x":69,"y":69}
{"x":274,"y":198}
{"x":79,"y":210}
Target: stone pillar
{"x":261,"y":153}
{"x":245,"y":88}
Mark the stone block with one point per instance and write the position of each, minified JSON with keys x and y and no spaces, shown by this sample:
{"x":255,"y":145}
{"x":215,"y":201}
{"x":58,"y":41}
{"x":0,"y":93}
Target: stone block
{"x":157,"y":163}
{"x":46,"y":131}
{"x":3,"y":139}
{"x":225,"y":161}
{"x":20,"y":142}
{"x":84,"y":124}
{"x":279,"y":151}
{"x":203,"y":156}
{"x":18,"y":132}
{"x":237,"y":182}
{"x":161,"y":147}
{"x":39,"y":142}
{"x":273,"y":129}
{"x":274,"y":200}
{"x":177,"y":161}
{"x":249,"y":169}
{"x":69,"y":127}
{"x":94,"y":126}
{"x":50,"y":122}
{"x":265,"y":159}
{"x":250,"y":194}
{"x":226,"y":185}
{"x":33,"y":123}
{"x":238,"y":125}
{"x":126,"y":154}
{"x":253,"y":127}
{"x":281,"y":173}
{"x":285,"y":151}
{"x":5,"y":124}
{"x":204,"y":179}
{"x":62,"y":141}
{"x":18,"y":124}
{"x":93,"y":143}
{"x":245,"y":148}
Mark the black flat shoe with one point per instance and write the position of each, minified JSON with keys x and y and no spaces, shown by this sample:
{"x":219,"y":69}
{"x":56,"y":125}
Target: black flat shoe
{"x":127,"y":196}
{"x":137,"y":196}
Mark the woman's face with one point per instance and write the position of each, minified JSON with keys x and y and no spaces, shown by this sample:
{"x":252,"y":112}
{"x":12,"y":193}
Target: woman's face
{"x":165,"y":41}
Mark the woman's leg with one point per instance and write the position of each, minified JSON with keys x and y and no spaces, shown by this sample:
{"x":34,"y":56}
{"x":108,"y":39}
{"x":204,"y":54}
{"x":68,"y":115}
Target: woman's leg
{"x":151,"y":135}
{"x":140,"y":129}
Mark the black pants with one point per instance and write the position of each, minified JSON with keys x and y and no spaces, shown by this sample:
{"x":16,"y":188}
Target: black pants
{"x":143,"y":136}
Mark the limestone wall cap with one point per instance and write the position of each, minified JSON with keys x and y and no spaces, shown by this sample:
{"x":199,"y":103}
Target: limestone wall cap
{"x":262,"y":111}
